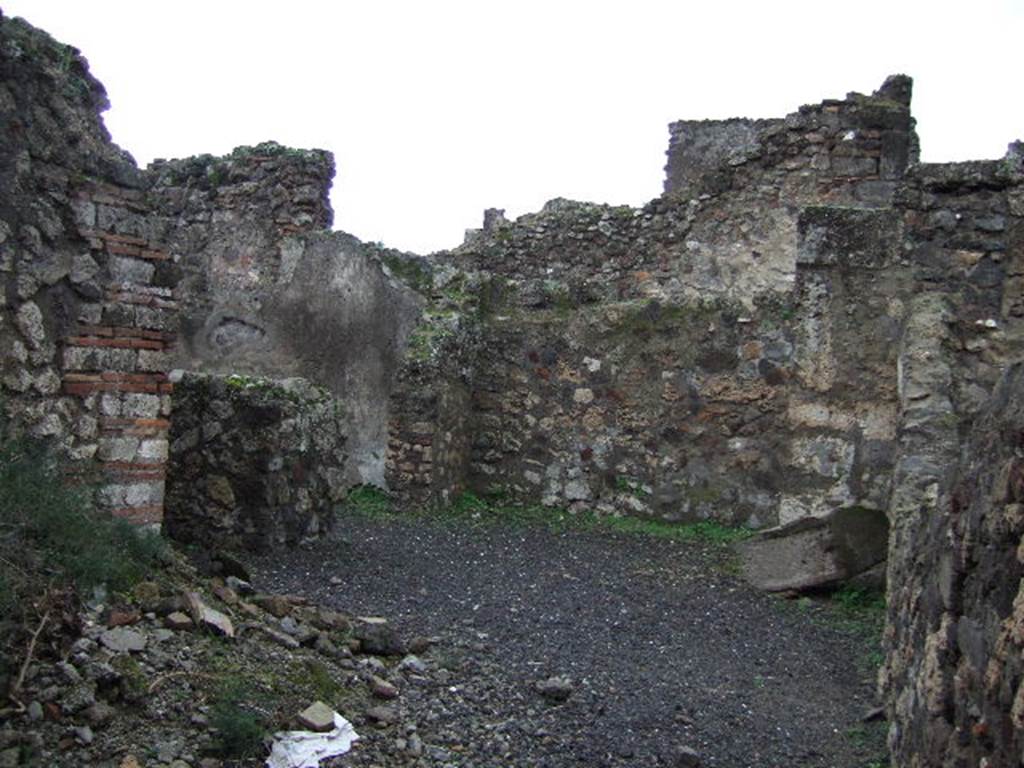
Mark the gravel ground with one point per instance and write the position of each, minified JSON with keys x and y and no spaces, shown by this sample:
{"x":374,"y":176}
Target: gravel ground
{"x":666,"y":651}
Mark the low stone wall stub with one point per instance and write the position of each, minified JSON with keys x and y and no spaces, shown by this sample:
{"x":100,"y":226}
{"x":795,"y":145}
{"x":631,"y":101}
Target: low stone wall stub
{"x":253,"y":462}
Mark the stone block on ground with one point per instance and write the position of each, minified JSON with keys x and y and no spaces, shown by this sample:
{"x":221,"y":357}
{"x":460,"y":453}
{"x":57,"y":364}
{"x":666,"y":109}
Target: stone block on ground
{"x":317,"y":717}
{"x":815,"y":553}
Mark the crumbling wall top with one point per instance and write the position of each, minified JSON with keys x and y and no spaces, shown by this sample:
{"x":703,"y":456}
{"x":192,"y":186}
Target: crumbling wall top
{"x":270,"y":182}
{"x":50,"y":106}
{"x":836,"y":142}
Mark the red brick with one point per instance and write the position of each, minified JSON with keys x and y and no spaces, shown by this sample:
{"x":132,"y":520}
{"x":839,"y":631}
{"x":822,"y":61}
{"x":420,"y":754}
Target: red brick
{"x":114,"y":237}
{"x":144,"y":344}
{"x":91,"y":341}
{"x":156,"y":423}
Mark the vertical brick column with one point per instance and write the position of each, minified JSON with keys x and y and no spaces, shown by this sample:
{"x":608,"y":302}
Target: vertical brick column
{"x":116,"y":356}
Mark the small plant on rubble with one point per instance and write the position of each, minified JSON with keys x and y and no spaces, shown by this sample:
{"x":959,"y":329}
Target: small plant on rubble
{"x":50,"y":533}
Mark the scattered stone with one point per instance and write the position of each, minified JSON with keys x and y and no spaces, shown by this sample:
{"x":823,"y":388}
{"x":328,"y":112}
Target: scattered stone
{"x":377,"y":637}
{"x":99,"y":714}
{"x":129,"y":761}
{"x":276,"y":635}
{"x":68,"y":672}
{"x":225,"y":594}
{"x":331,"y":620}
{"x":276,"y":605}
{"x":205,"y":616}
{"x":316,"y":717}
{"x":324,"y":645}
{"x":420,"y":644}
{"x":413,"y":664}
{"x":178,"y":621}
{"x":35,"y":711}
{"x":238,"y":586}
{"x":555,"y":689}
{"x":122,"y":617}
{"x":123,"y":640}
{"x":382,"y":715}
{"x":382,"y":689}
{"x":83,"y":734}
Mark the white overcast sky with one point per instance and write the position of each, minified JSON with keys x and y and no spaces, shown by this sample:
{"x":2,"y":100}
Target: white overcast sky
{"x":437,"y":109}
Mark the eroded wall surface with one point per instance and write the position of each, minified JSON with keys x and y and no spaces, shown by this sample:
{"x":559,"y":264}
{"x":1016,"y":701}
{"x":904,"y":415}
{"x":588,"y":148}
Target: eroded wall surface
{"x":88,"y":309}
{"x":727,"y":351}
{"x":268,"y":290}
{"x":255,"y":463}
{"x":952,"y":673}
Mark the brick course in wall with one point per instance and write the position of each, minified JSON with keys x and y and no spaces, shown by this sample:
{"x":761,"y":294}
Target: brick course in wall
{"x":88,"y":313}
{"x":117,"y":367}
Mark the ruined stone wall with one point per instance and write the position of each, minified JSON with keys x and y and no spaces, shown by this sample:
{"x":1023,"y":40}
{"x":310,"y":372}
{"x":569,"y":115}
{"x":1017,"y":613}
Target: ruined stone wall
{"x":849,"y":152}
{"x":267,"y":290}
{"x":87,"y":311}
{"x":950,"y":677}
{"x":705,"y":355}
{"x":807,"y":319}
{"x":254,"y":462}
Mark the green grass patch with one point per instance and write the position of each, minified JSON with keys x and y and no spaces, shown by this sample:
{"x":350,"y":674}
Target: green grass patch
{"x":369,"y":501}
{"x":861,"y":607}
{"x":471,"y":509}
{"x":50,"y":534}
{"x":705,"y":531}
{"x":238,"y":727}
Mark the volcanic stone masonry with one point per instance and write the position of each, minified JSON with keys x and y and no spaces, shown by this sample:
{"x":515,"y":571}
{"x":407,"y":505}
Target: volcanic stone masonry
{"x":255,"y":463}
{"x":807,"y":320}
{"x":89,"y":310}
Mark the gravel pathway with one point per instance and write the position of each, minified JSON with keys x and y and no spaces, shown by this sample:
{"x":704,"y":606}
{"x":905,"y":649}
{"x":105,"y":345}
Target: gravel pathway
{"x":666,"y":652}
